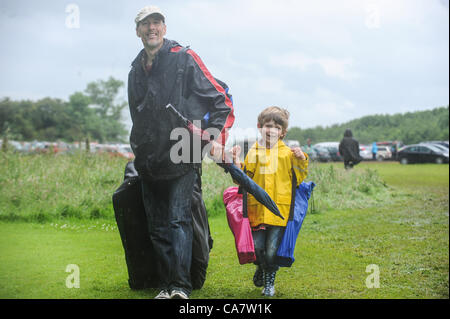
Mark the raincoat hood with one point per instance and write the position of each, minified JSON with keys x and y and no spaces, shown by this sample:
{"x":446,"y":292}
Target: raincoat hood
{"x":348,"y":133}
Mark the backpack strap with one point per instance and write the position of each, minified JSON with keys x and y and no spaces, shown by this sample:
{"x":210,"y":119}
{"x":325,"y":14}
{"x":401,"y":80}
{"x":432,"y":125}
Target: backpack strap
{"x":175,"y":96}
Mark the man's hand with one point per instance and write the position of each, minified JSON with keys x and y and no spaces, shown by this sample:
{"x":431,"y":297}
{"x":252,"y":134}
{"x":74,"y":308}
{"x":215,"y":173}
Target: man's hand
{"x":216,"y":152}
{"x":235,"y":154}
{"x":298,"y":153}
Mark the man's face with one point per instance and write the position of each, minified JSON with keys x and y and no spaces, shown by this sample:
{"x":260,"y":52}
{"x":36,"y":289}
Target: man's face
{"x":151,"y":30}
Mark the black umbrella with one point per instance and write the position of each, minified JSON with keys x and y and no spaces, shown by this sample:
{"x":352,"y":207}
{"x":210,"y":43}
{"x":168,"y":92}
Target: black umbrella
{"x":238,"y":175}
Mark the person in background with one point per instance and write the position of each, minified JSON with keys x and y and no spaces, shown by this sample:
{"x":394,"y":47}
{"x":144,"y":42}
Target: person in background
{"x":374,"y":150}
{"x":394,"y":150}
{"x":308,"y":148}
{"x":349,"y":150}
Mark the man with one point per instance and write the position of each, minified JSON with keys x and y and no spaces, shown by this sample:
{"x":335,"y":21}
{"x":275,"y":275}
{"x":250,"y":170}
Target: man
{"x":349,"y":150}
{"x":308,"y":148}
{"x":165,"y":72}
{"x":374,"y":150}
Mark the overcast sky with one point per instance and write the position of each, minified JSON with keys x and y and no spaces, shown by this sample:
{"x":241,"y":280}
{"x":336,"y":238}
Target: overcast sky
{"x":326,"y":61}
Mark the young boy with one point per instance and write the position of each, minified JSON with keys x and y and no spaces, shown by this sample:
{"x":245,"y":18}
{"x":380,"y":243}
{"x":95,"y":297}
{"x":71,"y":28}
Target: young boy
{"x":269,"y":163}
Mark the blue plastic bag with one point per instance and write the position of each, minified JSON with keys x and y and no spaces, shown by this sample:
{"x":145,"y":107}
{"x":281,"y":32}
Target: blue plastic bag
{"x":285,"y":253}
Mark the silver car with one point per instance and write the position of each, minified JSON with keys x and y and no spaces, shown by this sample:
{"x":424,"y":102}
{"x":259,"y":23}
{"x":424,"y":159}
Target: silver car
{"x":384,"y":153}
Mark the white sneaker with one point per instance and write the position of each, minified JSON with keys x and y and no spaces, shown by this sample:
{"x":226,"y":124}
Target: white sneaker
{"x":178,"y":294}
{"x":163,"y":294}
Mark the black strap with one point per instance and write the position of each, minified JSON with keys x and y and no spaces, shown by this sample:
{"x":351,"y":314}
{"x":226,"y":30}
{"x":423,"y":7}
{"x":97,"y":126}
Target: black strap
{"x":294,"y":186}
{"x":177,"y":91}
{"x":312,"y":208}
{"x":243,"y":191}
{"x":244,"y":198}
{"x":244,"y":204}
{"x":181,"y":65}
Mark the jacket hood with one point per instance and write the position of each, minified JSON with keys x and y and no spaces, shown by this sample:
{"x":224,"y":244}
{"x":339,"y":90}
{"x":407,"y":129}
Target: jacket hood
{"x":348,"y":133}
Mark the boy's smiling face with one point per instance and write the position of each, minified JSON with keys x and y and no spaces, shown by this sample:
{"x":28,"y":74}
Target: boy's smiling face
{"x":271,"y":132}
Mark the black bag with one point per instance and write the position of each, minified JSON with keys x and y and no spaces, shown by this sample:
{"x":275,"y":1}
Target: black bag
{"x":132,"y":223}
{"x":202,"y":242}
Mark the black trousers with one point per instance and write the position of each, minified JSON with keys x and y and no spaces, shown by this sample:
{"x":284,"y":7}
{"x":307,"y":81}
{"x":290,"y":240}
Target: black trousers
{"x":168,"y":208}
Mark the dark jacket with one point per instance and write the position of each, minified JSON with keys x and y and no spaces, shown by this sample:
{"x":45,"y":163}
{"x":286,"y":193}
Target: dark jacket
{"x":178,"y":76}
{"x":349,"y":148}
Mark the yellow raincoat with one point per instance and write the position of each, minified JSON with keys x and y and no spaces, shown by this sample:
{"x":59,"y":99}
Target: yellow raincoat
{"x":272,"y":170}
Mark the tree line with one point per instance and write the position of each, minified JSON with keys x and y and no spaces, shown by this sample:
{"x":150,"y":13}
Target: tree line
{"x":95,"y":114}
{"x":92,"y":114}
{"x":410,"y":128}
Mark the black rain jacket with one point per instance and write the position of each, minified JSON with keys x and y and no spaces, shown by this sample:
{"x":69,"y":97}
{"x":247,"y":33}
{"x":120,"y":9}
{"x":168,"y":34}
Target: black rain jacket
{"x":349,"y":148}
{"x":178,"y":76}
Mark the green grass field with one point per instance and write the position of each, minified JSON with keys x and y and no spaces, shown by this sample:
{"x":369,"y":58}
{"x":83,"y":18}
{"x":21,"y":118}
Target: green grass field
{"x":384,"y":214}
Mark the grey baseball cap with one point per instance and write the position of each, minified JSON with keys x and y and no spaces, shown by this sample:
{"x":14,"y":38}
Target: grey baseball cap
{"x":148,"y":10}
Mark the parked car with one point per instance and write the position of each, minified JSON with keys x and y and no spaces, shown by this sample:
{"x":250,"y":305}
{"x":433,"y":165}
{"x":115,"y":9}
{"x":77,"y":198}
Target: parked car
{"x":292,"y":143}
{"x":321,"y":154}
{"x":126,"y":151}
{"x":383,"y":153}
{"x":312,"y":154}
{"x":393,"y":146}
{"x":365,"y":151}
{"x":12,"y":145}
{"x":442,"y":147}
{"x":442,"y":143}
{"x":422,"y":153}
{"x":333,"y":150}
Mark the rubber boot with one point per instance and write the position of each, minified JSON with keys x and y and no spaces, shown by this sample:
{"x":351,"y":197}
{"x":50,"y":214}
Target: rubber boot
{"x":269,"y":284}
{"x":258,"y":277}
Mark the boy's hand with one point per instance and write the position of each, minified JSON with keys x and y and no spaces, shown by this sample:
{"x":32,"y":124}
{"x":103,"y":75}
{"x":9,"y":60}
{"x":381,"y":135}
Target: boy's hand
{"x":298,"y":153}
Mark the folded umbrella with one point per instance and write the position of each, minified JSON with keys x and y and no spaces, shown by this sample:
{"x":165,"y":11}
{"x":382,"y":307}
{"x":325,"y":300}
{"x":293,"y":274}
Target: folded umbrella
{"x":239,"y":225}
{"x":238,"y":175}
{"x":285,"y":253}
